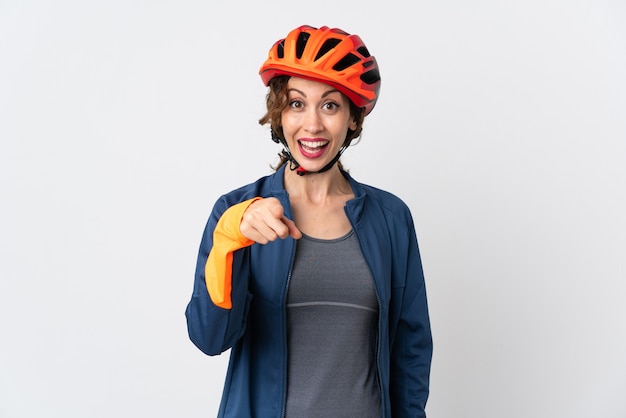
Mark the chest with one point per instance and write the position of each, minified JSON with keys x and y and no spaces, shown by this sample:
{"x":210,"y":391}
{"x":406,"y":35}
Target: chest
{"x":331,"y":272}
{"x":325,"y":221}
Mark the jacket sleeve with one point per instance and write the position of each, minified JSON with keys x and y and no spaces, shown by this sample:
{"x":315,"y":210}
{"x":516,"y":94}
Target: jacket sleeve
{"x":412,"y":347}
{"x":216,"y":313}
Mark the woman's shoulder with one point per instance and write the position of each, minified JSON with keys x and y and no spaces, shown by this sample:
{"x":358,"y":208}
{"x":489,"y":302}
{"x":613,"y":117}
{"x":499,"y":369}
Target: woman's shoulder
{"x":263,"y":186}
{"x":384,"y":196}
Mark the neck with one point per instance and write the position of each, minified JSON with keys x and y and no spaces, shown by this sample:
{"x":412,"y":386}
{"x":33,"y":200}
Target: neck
{"x":317,"y":185}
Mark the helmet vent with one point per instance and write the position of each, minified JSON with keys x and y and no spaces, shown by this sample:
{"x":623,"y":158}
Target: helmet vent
{"x":280,"y":49}
{"x":328,"y":45}
{"x":370,"y":77}
{"x":363,"y":51}
{"x":301,"y":43}
{"x":345,"y":62}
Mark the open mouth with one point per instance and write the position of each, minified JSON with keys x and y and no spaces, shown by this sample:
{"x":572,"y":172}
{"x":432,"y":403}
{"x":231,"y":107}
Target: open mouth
{"x":312,"y":149}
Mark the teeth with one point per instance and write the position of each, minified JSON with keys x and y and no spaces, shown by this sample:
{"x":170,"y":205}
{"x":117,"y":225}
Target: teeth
{"x":313,"y":144}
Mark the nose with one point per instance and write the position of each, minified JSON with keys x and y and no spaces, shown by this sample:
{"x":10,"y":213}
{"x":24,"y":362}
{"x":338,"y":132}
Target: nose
{"x":313,"y":122}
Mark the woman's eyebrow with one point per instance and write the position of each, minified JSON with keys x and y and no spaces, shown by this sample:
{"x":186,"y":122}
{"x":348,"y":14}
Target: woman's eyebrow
{"x":323,"y":95}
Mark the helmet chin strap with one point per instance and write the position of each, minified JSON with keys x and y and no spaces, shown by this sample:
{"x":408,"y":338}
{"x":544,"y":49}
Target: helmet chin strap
{"x":295,"y":165}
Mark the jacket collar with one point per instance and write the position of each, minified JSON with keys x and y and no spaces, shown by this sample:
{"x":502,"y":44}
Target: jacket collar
{"x":355,"y":205}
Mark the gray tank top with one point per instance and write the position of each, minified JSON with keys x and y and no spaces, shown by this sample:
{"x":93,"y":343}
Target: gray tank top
{"x":332,"y":323}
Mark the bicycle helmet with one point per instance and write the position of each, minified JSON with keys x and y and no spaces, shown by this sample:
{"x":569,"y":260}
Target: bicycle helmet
{"x":328,"y":55}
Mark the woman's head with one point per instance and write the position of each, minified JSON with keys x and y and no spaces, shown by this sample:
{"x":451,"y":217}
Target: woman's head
{"x":329,"y":56}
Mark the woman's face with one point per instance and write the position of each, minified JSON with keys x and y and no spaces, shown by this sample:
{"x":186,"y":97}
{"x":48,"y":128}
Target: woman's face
{"x":315,"y":122}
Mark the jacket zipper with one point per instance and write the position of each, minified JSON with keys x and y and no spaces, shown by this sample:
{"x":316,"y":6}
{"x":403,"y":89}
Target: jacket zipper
{"x":379,"y":339}
{"x":284,"y":325}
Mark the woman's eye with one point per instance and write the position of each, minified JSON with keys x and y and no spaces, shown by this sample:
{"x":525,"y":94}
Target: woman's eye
{"x":331,"y":106}
{"x":295,"y":104}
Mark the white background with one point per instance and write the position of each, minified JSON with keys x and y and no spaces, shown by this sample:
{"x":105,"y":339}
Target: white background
{"x":501,"y":123}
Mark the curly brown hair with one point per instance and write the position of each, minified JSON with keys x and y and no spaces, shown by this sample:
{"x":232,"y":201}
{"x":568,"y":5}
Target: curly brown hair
{"x":277,"y":100}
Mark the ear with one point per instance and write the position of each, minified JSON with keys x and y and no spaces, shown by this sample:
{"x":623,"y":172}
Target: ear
{"x":352,"y":125}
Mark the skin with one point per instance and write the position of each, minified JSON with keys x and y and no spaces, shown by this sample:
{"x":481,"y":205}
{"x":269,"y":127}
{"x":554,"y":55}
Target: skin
{"x":315,"y":125}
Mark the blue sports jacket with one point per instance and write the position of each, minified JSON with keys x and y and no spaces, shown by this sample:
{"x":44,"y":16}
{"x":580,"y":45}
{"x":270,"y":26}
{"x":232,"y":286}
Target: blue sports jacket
{"x":252,"y":320}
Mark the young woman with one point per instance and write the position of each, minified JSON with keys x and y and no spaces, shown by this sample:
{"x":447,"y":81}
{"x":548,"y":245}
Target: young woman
{"x":312,"y":279}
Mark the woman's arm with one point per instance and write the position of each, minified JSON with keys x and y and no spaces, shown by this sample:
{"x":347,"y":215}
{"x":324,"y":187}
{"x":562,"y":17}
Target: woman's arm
{"x":219,"y":303}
